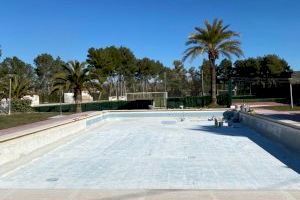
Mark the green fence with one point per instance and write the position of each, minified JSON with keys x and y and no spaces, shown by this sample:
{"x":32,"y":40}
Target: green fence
{"x":94,"y":106}
{"x":189,"y":102}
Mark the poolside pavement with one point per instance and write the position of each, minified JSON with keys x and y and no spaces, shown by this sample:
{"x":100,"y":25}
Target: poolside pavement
{"x":89,"y":194}
{"x":288,"y":117}
{"x":37,"y":125}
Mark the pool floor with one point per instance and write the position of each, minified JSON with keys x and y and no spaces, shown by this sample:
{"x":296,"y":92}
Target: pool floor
{"x":162,"y":153}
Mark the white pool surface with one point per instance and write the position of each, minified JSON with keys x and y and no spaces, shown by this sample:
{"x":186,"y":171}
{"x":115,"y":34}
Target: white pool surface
{"x":162,"y":153}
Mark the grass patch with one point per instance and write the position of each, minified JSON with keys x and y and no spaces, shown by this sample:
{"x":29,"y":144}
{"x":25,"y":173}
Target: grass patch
{"x":282,"y":108}
{"x":17,"y":119}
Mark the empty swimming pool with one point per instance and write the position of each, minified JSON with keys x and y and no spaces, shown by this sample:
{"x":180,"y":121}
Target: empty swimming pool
{"x":161,"y":151}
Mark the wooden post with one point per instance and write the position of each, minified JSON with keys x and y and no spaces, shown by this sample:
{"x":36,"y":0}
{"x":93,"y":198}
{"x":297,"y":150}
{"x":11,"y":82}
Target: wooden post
{"x":9,"y":96}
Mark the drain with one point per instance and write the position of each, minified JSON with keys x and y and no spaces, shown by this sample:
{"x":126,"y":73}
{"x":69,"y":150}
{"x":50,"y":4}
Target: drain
{"x":52,"y":179}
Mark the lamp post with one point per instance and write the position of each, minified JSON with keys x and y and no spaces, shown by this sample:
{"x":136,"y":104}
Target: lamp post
{"x":9,"y":102}
{"x":291,"y":81}
{"x":60,"y":105}
{"x":291,"y":95}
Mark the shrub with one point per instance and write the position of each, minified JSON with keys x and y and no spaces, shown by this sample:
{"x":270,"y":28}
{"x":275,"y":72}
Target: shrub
{"x":21,"y":105}
{"x":223,"y":100}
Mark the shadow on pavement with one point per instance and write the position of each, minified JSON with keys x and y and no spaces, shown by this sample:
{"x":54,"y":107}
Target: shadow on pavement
{"x":290,"y":159}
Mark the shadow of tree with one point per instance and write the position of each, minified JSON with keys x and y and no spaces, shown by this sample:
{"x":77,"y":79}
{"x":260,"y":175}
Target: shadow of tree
{"x":140,"y":194}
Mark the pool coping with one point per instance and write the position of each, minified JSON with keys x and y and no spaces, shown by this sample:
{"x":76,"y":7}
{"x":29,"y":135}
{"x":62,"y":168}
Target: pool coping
{"x":265,"y":117}
{"x":275,"y":121}
{"x":283,"y":133}
{"x":35,"y":129}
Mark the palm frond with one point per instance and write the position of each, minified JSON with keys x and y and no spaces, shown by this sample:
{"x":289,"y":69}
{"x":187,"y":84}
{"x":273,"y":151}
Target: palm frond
{"x":214,"y":39}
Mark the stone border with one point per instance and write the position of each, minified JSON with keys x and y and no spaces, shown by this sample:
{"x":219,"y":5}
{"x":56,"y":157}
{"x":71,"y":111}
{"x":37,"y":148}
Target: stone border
{"x":283,"y":133}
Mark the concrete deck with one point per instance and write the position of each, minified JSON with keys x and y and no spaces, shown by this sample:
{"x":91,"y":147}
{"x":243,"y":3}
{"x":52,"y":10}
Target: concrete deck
{"x":289,"y":117}
{"x":87,"y":194}
{"x":36,"y":126}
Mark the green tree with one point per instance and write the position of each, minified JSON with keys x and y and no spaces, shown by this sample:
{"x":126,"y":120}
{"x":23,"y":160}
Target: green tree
{"x":214,"y":40}
{"x":148,"y":70}
{"x":194,"y":81}
{"x":117,"y":64}
{"x":225,"y":70}
{"x":269,"y":66}
{"x":18,"y":67}
{"x":247,"y":68}
{"x":273,"y":66}
{"x":45,"y":67}
{"x":74,"y":77}
{"x":100,"y":63}
{"x":177,"y":80}
{"x":19,"y":86}
{"x":21,"y":74}
{"x":124,"y":69}
{"x":96,"y":84}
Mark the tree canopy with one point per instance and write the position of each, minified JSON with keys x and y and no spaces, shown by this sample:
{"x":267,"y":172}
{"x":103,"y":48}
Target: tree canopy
{"x":269,"y":66}
{"x":113,"y":71}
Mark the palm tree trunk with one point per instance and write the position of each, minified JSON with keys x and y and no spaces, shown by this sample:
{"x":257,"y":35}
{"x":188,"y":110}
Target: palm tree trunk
{"x":78,"y":98}
{"x":213,"y":83}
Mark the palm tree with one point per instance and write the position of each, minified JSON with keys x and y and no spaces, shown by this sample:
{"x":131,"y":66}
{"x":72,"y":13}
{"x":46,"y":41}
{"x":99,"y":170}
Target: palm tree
{"x":74,"y":77}
{"x":19,"y":86}
{"x":214,"y":40}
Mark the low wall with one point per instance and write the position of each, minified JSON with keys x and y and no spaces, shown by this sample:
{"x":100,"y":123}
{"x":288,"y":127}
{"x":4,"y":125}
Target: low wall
{"x":283,"y":133}
{"x":20,"y":144}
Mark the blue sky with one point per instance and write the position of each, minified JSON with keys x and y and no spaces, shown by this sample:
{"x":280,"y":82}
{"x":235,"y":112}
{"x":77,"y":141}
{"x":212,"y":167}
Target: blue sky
{"x":154,"y":28}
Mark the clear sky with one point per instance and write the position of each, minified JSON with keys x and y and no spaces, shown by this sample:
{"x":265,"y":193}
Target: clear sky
{"x":154,"y":28}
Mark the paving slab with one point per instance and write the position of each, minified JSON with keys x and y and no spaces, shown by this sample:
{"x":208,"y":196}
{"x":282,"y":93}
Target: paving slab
{"x":87,"y":194}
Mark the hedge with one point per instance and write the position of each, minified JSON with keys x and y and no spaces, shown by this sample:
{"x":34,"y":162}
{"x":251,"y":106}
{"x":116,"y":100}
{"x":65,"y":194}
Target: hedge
{"x":187,"y":102}
{"x":20,"y":105}
{"x":192,"y":102}
{"x":94,"y":106}
{"x":223,"y":100}
{"x":197,"y":102}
